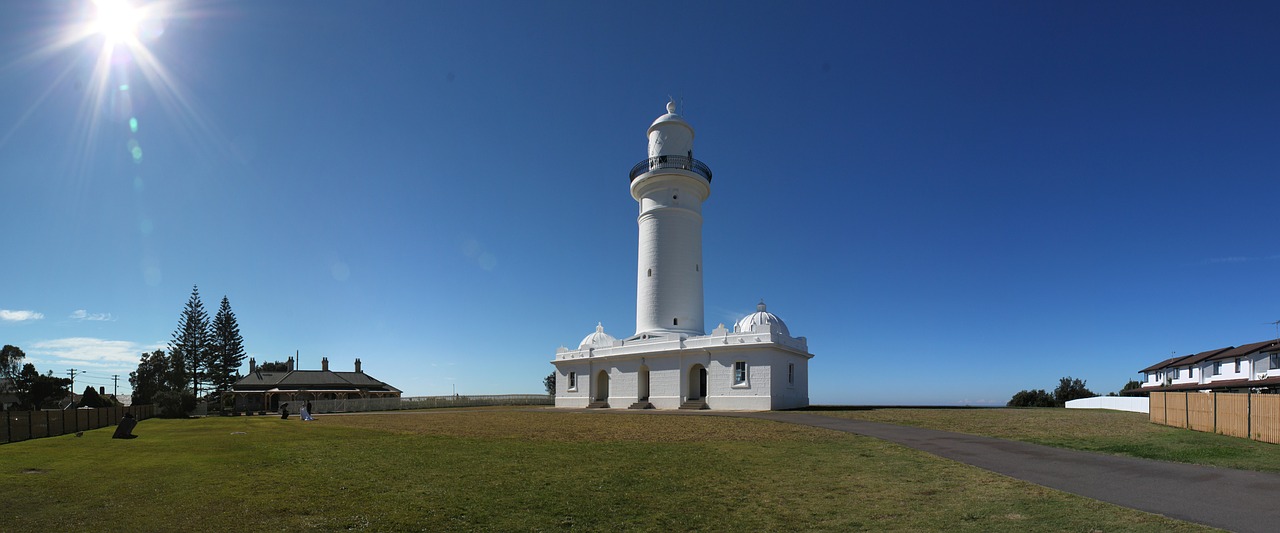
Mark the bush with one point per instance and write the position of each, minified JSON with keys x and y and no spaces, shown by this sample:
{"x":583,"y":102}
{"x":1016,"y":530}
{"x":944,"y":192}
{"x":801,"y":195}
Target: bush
{"x":171,"y":404}
{"x":1032,"y":398}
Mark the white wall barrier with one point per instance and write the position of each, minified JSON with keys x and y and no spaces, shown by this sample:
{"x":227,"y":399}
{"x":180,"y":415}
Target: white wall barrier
{"x":1118,"y":403}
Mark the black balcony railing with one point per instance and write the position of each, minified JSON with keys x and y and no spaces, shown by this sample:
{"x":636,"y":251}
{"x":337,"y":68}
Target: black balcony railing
{"x":671,"y":161}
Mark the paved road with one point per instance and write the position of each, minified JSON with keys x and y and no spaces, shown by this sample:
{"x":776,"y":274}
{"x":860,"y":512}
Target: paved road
{"x":1236,"y":500}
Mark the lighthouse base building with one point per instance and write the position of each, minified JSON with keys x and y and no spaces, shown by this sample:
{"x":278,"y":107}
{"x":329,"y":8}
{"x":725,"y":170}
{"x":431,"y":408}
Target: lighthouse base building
{"x":756,"y":366}
{"x":670,"y":362}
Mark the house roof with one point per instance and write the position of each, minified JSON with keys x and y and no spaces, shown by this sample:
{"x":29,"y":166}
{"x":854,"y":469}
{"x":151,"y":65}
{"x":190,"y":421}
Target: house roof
{"x":311,"y":380}
{"x":1164,"y":364}
{"x":1247,"y":350}
{"x":1185,"y":360}
{"x":1202,"y":356}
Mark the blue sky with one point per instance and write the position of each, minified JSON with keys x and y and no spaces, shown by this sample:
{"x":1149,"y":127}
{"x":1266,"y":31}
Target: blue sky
{"x":952,"y":201}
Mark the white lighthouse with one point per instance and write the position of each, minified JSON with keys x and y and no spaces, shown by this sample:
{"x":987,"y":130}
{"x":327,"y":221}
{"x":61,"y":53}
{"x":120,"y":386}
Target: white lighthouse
{"x":670,"y":186}
{"x":672,"y":362}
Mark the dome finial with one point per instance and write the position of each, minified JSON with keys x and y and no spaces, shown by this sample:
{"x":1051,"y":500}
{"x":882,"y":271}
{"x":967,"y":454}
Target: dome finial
{"x":671,"y":104}
{"x":760,"y":306}
{"x":599,"y":327}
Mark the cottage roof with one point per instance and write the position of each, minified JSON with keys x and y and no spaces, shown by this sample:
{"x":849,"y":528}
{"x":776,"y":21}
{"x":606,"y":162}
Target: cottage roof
{"x":311,"y":380}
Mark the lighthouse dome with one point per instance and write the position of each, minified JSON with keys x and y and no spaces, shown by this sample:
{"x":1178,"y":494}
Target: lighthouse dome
{"x":597,"y":339}
{"x":762,"y":316}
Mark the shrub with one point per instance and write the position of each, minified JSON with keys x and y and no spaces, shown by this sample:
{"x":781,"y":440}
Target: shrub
{"x":172,"y":404}
{"x":1032,"y":398}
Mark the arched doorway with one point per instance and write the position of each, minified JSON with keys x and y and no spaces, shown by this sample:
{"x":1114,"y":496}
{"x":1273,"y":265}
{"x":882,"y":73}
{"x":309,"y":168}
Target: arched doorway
{"x":642,"y":387}
{"x":697,"y":382}
{"x":602,"y":386}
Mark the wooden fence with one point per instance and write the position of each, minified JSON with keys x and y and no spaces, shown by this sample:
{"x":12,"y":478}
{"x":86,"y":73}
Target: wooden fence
{"x":1254,"y":416}
{"x":23,"y":425}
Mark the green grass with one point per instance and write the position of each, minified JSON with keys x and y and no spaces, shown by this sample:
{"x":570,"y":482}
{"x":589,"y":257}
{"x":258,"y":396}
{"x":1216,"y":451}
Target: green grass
{"x":518,"y":471}
{"x":1094,"y":430}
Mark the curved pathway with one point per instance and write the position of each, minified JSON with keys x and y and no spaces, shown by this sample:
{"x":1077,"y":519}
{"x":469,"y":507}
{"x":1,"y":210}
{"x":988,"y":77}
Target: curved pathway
{"x":1237,"y":500}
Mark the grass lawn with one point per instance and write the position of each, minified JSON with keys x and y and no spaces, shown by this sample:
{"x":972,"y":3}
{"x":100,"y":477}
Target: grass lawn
{"x":518,"y":471}
{"x":1095,"y":430}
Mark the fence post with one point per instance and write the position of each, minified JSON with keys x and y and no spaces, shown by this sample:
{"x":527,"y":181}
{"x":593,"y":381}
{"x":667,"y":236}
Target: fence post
{"x":1248,"y":411}
{"x":1215,"y":412}
{"x":1186,"y":408}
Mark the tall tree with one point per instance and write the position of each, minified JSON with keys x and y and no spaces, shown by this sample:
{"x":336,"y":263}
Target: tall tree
{"x":36,"y":391}
{"x":189,"y":349}
{"x":150,"y":377}
{"x":1070,"y":388}
{"x":11,"y":361}
{"x":228,"y":348}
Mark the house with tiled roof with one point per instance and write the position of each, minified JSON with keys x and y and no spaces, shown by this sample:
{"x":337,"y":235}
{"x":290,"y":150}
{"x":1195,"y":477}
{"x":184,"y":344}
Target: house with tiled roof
{"x":265,"y":390}
{"x":1234,"y":368}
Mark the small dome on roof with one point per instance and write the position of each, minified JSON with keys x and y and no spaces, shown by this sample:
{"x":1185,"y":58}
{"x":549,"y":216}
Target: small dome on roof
{"x":599,"y":339}
{"x":761,"y":316}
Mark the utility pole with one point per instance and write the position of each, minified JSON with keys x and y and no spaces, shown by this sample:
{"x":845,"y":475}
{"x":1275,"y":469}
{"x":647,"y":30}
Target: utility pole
{"x":115,"y":385}
{"x":72,"y":373}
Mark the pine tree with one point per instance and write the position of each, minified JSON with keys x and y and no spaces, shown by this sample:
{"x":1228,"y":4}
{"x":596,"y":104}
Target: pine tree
{"x":190,"y":348}
{"x":228,"y":348}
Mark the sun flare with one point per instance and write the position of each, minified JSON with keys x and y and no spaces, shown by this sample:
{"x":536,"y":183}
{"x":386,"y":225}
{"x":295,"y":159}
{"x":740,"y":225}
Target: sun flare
{"x":117,"y":20}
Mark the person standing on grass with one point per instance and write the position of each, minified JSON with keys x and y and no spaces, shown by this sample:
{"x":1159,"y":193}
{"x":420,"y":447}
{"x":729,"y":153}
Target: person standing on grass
{"x":306,"y":412}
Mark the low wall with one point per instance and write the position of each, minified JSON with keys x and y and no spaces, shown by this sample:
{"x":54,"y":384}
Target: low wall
{"x":421,"y":402}
{"x":1117,"y":403}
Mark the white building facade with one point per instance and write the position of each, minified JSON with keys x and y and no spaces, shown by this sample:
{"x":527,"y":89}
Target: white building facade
{"x":1254,"y":366}
{"x":671,"y":362}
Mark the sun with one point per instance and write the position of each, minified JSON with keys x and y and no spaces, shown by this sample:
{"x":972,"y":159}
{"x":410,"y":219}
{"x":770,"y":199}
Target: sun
{"x":117,"y":20}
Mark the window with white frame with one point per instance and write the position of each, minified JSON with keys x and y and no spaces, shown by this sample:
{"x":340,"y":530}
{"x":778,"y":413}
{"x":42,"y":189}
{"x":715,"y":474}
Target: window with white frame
{"x":573,"y":381}
{"x":1237,"y":365}
{"x":1275,"y":360}
{"x":1217,"y":368}
{"x":740,"y":373}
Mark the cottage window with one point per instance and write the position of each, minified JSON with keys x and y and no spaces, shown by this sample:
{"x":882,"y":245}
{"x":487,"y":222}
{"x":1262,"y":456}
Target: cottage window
{"x":740,"y":373}
{"x":573,"y":381}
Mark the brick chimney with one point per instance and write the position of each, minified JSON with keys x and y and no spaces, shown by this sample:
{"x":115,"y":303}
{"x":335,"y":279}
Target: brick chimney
{"x":358,"y":364}
{"x":289,"y":364}
{"x":324,"y":364}
{"x":102,"y":391}
{"x":253,"y":365}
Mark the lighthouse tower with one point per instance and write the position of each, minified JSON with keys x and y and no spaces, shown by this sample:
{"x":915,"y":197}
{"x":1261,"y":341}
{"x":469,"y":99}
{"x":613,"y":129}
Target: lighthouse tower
{"x":670,"y":186}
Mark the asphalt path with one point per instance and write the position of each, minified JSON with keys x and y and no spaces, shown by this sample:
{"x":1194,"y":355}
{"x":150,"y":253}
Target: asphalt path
{"x":1236,"y":500}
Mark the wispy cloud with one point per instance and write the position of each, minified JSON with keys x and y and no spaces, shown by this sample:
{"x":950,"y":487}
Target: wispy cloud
{"x":19,"y":316}
{"x":81,"y":314}
{"x":1229,"y":259}
{"x":88,"y":351}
